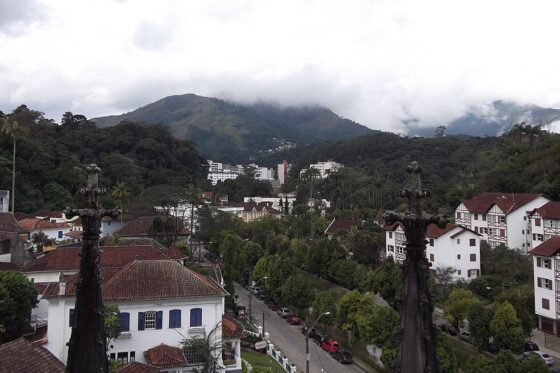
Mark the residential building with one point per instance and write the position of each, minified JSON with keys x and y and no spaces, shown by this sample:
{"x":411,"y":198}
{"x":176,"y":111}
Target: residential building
{"x":324,"y":169}
{"x":276,"y":202}
{"x":14,"y":240}
{"x":341,"y":225}
{"x":222,"y":172}
{"x":4,"y":201}
{"x":282,"y":170}
{"x":453,"y":246}
{"x":54,"y":231}
{"x":147,"y":226}
{"x":254,"y":211}
{"x":543,"y":224}
{"x":215,"y":199}
{"x":21,"y":355}
{"x":546,"y":269}
{"x":501,"y":218}
{"x":110,"y":226}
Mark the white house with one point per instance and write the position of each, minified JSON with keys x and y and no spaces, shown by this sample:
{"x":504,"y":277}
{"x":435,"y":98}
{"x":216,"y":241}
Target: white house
{"x":546,"y":269}
{"x":222,"y":172}
{"x":54,"y":231}
{"x":324,"y":168}
{"x":161,"y":303}
{"x":501,"y":218}
{"x":453,"y":246}
{"x":110,"y":226}
{"x":543,"y":224}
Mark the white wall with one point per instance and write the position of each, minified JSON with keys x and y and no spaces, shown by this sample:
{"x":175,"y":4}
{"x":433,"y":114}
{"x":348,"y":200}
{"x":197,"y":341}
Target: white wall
{"x":541,"y":293}
{"x":516,"y":223}
{"x":110,"y":227}
{"x":455,"y":252}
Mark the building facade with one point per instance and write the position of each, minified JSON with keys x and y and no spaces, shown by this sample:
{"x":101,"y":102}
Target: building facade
{"x":543,"y":224}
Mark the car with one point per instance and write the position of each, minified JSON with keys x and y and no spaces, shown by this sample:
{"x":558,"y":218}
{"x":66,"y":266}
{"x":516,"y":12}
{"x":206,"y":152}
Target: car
{"x":260,"y":295}
{"x":450,"y":329}
{"x":530,"y":346}
{"x":293,"y":320}
{"x":343,"y":356}
{"x":283,"y":312}
{"x":312,"y":331}
{"x":330,"y":346}
{"x":465,"y":336}
{"x":546,"y":358}
{"x":320,"y":338}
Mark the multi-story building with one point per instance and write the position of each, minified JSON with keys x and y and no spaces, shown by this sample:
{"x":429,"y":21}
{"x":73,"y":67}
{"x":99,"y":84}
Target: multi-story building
{"x":222,"y":172}
{"x":277,"y":203}
{"x":283,"y":169}
{"x":324,"y":169}
{"x":501,"y":218}
{"x":543,"y":224}
{"x":453,"y":246}
{"x":546,"y":269}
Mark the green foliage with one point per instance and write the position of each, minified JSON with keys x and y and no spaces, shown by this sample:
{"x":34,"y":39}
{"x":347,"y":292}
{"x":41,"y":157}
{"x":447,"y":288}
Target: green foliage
{"x":479,"y":325}
{"x":297,"y":292}
{"x":243,"y":186}
{"x":112,"y":323}
{"x":387,"y":281}
{"x":18,"y":297}
{"x":506,"y":328}
{"x":505,"y":362}
{"x":511,"y":266}
{"x":348,"y":307}
{"x":376,"y":324}
{"x":522,"y":298}
{"x":325,"y":301}
{"x":458,"y":305}
{"x":447,"y":360}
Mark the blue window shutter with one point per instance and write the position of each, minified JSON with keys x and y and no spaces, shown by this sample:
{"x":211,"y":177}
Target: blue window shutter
{"x":159,"y":319}
{"x":72,"y":319}
{"x":196,"y":317}
{"x":175,"y":318}
{"x":124,"y":318}
{"x":141,"y":320}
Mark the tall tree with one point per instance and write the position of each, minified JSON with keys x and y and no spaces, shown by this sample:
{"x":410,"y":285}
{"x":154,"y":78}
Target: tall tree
{"x":506,"y":328}
{"x":120,"y":193}
{"x":17,"y":297}
{"x":16,"y":131}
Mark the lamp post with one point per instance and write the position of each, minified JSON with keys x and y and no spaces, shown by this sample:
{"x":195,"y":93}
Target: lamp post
{"x":307,"y":356}
{"x":250,"y":297}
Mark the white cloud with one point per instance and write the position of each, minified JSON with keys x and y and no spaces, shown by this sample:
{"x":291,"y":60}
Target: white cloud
{"x":377,"y":62}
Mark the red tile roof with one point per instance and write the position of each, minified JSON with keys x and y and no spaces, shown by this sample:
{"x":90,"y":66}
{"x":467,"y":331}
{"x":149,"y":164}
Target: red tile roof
{"x":261,"y":206}
{"x":22,"y":356}
{"x":339,"y":225}
{"x":164,"y":356}
{"x":507,"y":202}
{"x":549,"y":247}
{"x":136,"y":367}
{"x":32,"y":224}
{"x":48,"y":214}
{"x":68,"y":258}
{"x":174,"y":252}
{"x":9,"y":225}
{"x":550,"y":210}
{"x":231,"y":328}
{"x":433,"y":231}
{"x":392,"y":227}
{"x":75,"y":234}
{"x":142,"y":226}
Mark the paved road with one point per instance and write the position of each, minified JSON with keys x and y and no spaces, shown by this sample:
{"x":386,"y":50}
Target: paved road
{"x":290,"y":340}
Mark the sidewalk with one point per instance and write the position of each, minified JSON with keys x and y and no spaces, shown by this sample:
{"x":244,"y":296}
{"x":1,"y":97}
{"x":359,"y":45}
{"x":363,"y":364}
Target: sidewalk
{"x":537,"y":336}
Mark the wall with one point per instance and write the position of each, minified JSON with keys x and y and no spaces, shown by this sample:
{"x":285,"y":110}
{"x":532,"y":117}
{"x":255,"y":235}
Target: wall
{"x":446,"y":249}
{"x":542,"y":292}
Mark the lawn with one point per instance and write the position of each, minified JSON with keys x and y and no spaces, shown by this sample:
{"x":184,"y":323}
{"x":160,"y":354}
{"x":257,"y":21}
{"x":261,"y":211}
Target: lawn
{"x":258,"y":360}
{"x":463,"y":351}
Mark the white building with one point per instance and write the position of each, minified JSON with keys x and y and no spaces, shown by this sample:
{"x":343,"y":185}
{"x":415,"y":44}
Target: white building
{"x":543,"y":224}
{"x":324,"y":168}
{"x":501,"y":218}
{"x":4,"y":200}
{"x":222,"y":172}
{"x":263,"y":174}
{"x":546,"y":269}
{"x":282,"y":170}
{"x":453,"y":246}
{"x":54,"y":231}
{"x":276,"y":202}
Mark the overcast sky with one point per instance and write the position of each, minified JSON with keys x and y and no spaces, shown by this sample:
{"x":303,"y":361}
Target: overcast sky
{"x":376,"y":62}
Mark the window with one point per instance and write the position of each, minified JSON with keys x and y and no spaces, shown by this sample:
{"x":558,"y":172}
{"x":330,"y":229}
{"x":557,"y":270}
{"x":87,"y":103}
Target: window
{"x":486,"y":230}
{"x":544,"y":283}
{"x":59,"y":234}
{"x":72,"y":319}
{"x":431,"y":242}
{"x":391,"y":248}
{"x":537,"y":237}
{"x":132,"y":356}
{"x":458,"y":215}
{"x":459,"y":272}
{"x":537,"y":222}
{"x":544,"y":262}
{"x":458,"y":241}
{"x":150,"y":320}
{"x":459,"y":256}
{"x":431,"y":257}
{"x":473,"y":257}
{"x":483,"y":217}
{"x":390,"y":234}
{"x":502,"y":232}
{"x":122,"y":357}
{"x":476,"y":229}
{"x":545,"y":304}
{"x":472,"y":242}
{"x":502,"y":219}
{"x":196,"y":317}
{"x":523,"y":231}
{"x":174,"y":319}
{"x":475,"y":216}
{"x":124,"y":319}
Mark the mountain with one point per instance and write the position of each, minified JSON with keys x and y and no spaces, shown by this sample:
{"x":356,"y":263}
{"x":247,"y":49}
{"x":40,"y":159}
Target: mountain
{"x":491,"y":120}
{"x":235,"y":133}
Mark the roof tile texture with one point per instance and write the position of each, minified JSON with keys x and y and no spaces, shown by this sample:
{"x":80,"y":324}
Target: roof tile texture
{"x":21,"y":356}
{"x":507,"y":202}
{"x":549,"y":247}
{"x":165,"y":356}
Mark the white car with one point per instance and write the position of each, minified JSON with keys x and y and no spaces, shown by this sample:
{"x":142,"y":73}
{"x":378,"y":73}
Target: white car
{"x":546,"y":358}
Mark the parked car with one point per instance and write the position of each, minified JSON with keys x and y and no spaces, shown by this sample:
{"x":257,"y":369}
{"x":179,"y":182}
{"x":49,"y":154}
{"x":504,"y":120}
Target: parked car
{"x":450,"y":329}
{"x":260,"y":295}
{"x":273,"y":306}
{"x":342,"y":356}
{"x":312,"y":332}
{"x":530,"y":346}
{"x":293,"y":320}
{"x":283,"y":312}
{"x":546,"y":358}
{"x":320,"y":338}
{"x":330,"y":346}
{"x":465,"y":336}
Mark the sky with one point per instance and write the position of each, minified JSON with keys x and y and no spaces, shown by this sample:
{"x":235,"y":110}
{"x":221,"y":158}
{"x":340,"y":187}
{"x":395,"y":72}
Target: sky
{"x":380,"y":63}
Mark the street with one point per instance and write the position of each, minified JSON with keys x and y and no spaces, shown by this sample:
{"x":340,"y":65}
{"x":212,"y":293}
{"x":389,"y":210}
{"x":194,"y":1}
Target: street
{"x":290,"y":340}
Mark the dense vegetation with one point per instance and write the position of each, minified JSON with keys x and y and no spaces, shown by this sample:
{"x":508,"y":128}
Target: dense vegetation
{"x":51,"y":158}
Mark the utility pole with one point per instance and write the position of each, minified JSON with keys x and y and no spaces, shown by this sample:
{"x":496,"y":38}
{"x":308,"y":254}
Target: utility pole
{"x":416,"y":338}
{"x":87,"y":348}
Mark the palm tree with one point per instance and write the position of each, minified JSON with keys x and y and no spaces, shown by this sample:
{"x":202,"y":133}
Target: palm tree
{"x":15,"y":131}
{"x":121,"y":194}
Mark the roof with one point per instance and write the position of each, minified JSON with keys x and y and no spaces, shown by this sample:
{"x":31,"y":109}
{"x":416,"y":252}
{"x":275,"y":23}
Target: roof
{"x":174,"y":252}
{"x":339,"y":225}
{"x":393,"y":226}
{"x":261,"y":206}
{"x":142,"y":225}
{"x":549,"y":247}
{"x":231,"y":328}
{"x":22,"y":356}
{"x":4,"y":266}
{"x":136,"y":367}
{"x":68,"y":258}
{"x":48,"y":214}
{"x":164,"y":356}
{"x":507,"y":202}
{"x":146,"y":280}
{"x":433,"y":231}
{"x":9,"y":225}
{"x":550,"y":210}
{"x":75,"y":234}
{"x":33,"y":224}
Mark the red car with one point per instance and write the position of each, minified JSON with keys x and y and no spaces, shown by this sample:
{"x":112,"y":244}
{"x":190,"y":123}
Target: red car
{"x":331,"y":346}
{"x":294,"y":320}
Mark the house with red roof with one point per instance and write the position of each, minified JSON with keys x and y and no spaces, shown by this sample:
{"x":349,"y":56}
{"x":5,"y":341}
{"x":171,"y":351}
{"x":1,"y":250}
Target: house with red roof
{"x":54,"y":231}
{"x":501,"y":218}
{"x":161,"y":303}
{"x":341,"y":225}
{"x":454,"y":247}
{"x":543,"y":224}
{"x":253,"y":211}
{"x":13,"y":240}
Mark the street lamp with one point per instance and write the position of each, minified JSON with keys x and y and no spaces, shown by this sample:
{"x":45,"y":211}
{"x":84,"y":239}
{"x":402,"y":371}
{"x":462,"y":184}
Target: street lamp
{"x":250,"y":298}
{"x":307,"y":356}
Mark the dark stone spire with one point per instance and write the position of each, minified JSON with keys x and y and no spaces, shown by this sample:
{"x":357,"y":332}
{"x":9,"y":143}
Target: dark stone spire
{"x":87,"y":350}
{"x":416,"y":341}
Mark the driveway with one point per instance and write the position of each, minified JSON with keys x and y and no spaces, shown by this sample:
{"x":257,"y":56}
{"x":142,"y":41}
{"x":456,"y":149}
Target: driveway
{"x":290,"y":340}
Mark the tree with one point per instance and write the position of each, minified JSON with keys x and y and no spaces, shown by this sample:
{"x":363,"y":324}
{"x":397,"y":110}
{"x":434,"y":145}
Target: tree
{"x":348,"y":307}
{"x":325,"y":301}
{"x":443,"y":277}
{"x":40,"y":240}
{"x":376,"y":324}
{"x":479,"y":325}
{"x":440,"y":131}
{"x":297,"y":292}
{"x":447,"y":359}
{"x":458,"y":305}
{"x":18,"y":296}
{"x":203,"y":351}
{"x":112,"y":324}
{"x":121,"y":195}
{"x":387,"y":281}
{"x":506,"y":328}
{"x":522,"y":298}
{"x":16,"y":131}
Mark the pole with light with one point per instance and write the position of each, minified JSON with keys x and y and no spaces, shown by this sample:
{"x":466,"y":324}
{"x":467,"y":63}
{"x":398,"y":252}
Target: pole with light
{"x":250,"y":298}
{"x":307,"y":356}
